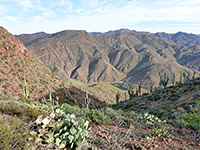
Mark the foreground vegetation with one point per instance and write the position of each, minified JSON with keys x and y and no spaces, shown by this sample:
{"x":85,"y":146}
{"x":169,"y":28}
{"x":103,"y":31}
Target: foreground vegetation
{"x":141,"y":122}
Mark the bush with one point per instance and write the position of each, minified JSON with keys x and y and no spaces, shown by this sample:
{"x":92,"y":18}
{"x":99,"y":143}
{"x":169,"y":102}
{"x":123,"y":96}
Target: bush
{"x":25,"y":113}
{"x":96,"y":116}
{"x":27,"y":100}
{"x":111,"y":113}
{"x":194,"y":120}
{"x":32,"y":114}
{"x":180,"y":123}
{"x":13,"y":134}
{"x":12,"y":108}
{"x":79,"y":112}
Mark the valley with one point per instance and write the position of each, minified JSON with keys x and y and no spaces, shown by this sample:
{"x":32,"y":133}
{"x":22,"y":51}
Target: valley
{"x":121,"y":89}
{"x":127,"y":56}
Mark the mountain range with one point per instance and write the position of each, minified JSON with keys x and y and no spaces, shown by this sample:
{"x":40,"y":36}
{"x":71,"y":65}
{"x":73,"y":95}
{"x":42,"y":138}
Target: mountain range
{"x":19,"y":70}
{"x":163,"y":118}
{"x":123,"y":30}
{"x":117,"y":56}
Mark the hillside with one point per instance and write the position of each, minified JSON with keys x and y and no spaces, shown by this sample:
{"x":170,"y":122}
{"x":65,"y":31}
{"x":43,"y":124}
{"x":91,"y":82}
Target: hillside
{"x":131,"y":57}
{"x":17,"y":66}
{"x":178,"y":105}
{"x":189,"y":52}
{"x":164,"y":100}
{"x":165,"y":118}
{"x":180,"y":38}
{"x":27,"y":38}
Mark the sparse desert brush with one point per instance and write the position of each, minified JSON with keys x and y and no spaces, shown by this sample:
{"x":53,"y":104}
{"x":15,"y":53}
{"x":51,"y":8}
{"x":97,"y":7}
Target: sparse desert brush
{"x":24,"y":112}
{"x":96,"y":116}
{"x":74,"y":110}
{"x":115,"y":138}
{"x":13,"y":134}
{"x":194,"y":118}
{"x":12,"y":108}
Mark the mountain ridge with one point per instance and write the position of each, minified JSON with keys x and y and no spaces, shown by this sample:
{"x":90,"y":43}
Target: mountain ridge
{"x":114,"y":57}
{"x":122,"y":30}
{"x":19,"y":70}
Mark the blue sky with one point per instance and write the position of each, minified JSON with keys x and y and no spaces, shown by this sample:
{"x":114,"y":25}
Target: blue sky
{"x":30,"y":16}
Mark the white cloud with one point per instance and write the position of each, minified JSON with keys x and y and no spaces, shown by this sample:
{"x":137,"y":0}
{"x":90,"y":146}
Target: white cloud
{"x":26,"y":4}
{"x":67,"y":5}
{"x":3,"y":9}
{"x":103,"y":15}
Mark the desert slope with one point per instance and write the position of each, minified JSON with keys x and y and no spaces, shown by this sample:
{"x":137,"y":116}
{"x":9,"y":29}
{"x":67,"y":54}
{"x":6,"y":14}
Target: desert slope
{"x":130,"y":57}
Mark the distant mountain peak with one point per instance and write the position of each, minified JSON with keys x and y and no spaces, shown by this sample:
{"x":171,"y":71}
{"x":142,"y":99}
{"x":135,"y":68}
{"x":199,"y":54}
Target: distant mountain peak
{"x":26,"y":38}
{"x":122,"y":30}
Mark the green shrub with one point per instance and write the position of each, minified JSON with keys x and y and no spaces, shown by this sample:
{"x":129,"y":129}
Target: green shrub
{"x":32,"y":114}
{"x":21,"y":111}
{"x":178,"y":113}
{"x":96,"y":116}
{"x":156,"y":96}
{"x":79,"y":112}
{"x":27,"y":100}
{"x":180,"y":123}
{"x":194,"y":120}
{"x":48,"y":105}
{"x":5,"y":86}
{"x":16,"y":64}
{"x":12,"y":108}
{"x":1,"y":80}
{"x":13,"y":134}
{"x":111,"y":113}
{"x":21,"y":70}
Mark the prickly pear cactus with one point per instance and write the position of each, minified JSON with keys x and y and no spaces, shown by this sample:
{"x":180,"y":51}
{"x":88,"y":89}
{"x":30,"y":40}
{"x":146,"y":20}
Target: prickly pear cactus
{"x":60,"y":130}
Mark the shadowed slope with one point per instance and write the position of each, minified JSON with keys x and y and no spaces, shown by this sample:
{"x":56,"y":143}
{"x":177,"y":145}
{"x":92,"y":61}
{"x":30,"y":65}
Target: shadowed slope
{"x":128,"y":57}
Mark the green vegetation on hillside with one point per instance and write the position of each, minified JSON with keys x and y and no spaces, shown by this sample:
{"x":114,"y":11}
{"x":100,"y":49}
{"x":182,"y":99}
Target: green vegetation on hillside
{"x":38,"y":110}
{"x":144,"y":119}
